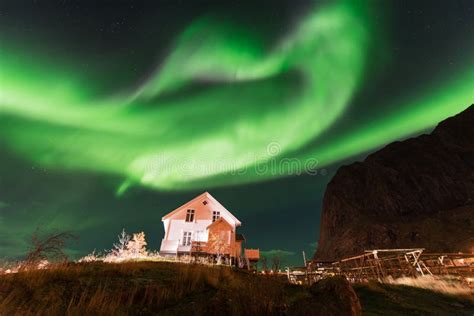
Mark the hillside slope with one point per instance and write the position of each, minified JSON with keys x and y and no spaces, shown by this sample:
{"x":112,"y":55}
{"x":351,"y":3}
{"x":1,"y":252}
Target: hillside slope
{"x":414,"y":193}
{"x":160,"y":288}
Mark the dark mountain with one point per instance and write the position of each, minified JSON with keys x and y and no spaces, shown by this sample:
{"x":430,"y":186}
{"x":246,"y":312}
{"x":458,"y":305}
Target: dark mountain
{"x":414,"y":193}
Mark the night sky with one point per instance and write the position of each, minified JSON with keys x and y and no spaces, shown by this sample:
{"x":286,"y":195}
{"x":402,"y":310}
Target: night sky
{"x":114,"y":113}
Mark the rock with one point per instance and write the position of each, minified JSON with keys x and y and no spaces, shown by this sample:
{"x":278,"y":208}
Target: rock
{"x":414,"y":193}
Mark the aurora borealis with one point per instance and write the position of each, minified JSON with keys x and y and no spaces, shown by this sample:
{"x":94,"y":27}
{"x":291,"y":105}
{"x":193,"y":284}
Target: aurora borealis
{"x":220,"y":97}
{"x":259,"y":87}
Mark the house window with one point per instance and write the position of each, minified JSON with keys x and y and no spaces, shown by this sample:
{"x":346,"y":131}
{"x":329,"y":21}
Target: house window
{"x":204,"y":202}
{"x":215,"y":215}
{"x":186,"y":239}
{"x":190,"y":216}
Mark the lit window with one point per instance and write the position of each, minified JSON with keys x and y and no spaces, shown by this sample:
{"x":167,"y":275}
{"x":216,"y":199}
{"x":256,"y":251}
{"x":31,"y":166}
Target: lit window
{"x":190,"y":216}
{"x":186,"y":239}
{"x":215,"y":215}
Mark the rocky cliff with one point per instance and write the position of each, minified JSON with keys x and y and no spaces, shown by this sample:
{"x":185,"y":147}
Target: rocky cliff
{"x":414,"y":193}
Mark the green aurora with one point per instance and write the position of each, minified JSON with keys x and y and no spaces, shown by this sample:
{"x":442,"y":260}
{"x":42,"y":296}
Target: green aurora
{"x":259,"y":105}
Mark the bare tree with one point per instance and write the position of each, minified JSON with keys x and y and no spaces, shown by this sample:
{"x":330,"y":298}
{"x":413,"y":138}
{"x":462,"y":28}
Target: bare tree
{"x":264,"y":264}
{"x":218,"y":245}
{"x":137,"y":245}
{"x":120,"y":248}
{"x":276,"y":261}
{"x":48,"y":248}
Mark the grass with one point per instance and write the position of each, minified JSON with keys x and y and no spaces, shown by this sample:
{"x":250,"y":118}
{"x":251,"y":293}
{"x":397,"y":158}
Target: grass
{"x":384,"y":299}
{"x":150,"y":288}
{"x":138,"y":288}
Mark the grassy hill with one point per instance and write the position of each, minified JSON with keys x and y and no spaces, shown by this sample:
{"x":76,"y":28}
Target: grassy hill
{"x":150,"y":288}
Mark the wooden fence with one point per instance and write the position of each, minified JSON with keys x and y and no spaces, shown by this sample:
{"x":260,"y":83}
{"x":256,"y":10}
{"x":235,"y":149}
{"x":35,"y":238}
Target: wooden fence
{"x":380,"y":264}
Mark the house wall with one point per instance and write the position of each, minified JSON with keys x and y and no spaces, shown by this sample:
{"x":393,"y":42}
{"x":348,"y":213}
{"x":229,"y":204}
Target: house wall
{"x":174,"y":235}
{"x":221,"y":239}
{"x":238,"y":249}
{"x":198,"y":228}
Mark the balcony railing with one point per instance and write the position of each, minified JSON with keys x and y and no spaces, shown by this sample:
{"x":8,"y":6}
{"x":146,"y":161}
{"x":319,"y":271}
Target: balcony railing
{"x":169,"y":245}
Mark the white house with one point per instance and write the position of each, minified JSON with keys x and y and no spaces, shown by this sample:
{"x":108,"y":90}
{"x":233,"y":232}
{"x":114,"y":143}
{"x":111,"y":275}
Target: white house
{"x":204,"y":226}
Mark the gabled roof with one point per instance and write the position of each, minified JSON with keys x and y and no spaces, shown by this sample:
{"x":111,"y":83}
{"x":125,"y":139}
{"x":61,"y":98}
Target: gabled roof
{"x":217,"y":221}
{"x":239,"y":237}
{"x":199,"y":198}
